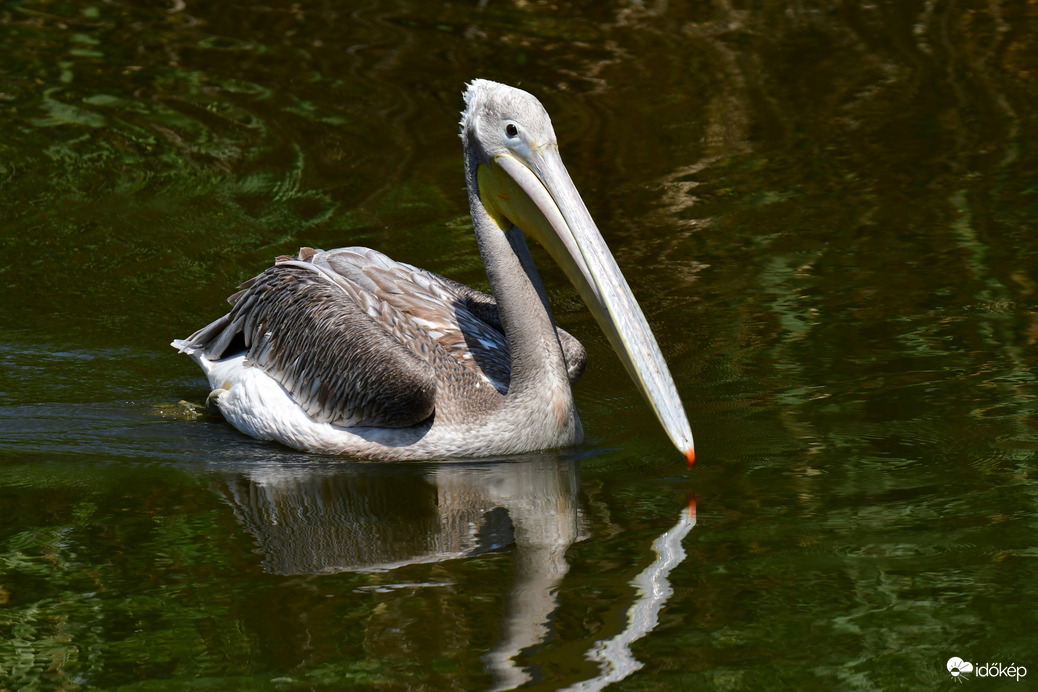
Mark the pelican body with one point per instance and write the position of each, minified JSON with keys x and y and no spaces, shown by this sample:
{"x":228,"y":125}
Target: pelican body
{"x":349,"y":352}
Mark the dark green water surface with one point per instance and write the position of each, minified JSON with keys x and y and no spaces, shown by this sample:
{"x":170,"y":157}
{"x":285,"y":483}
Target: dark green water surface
{"x":827,"y":210}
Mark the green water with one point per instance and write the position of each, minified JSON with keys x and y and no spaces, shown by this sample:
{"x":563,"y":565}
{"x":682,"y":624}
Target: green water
{"x":827,"y":212}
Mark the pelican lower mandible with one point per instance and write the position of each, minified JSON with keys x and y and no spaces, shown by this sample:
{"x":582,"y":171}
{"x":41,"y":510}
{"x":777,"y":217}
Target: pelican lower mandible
{"x":349,"y":352}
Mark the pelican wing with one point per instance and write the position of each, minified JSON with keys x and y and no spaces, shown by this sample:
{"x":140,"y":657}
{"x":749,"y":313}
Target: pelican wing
{"x":464,"y":321}
{"x":317,"y":339}
{"x":425,"y":312}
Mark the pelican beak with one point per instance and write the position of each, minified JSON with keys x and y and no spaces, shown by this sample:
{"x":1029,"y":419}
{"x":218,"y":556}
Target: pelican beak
{"x":535,"y":192}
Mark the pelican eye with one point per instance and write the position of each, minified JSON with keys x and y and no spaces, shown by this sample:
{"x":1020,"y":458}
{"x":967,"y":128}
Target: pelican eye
{"x":511,"y":130}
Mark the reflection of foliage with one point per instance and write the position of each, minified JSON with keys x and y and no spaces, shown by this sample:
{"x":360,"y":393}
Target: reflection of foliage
{"x":861,"y":188}
{"x":117,"y":590}
{"x":67,"y":624}
{"x":171,"y":179}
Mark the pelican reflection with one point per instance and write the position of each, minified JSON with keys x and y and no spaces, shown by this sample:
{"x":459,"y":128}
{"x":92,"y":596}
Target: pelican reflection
{"x":354,"y":517}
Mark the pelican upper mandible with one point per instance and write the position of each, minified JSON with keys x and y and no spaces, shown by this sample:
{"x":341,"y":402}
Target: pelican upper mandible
{"x":349,"y":352}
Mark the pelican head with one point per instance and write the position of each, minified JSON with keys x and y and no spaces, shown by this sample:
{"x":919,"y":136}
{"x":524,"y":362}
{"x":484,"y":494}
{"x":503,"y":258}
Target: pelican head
{"x":500,"y":120}
{"x":512,"y":158}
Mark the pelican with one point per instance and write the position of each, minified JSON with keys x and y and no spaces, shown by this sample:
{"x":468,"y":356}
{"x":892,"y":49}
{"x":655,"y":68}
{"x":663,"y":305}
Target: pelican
{"x":349,"y":352}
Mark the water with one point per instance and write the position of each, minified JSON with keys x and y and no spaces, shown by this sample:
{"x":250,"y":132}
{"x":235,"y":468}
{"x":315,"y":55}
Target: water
{"x":826,"y":211}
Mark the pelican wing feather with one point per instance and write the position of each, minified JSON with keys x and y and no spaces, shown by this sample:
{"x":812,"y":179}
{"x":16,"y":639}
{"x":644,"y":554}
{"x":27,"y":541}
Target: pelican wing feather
{"x":463,"y":320}
{"x":321,"y":344}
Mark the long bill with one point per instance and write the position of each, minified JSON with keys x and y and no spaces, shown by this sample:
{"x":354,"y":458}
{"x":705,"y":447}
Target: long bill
{"x":537,"y":194}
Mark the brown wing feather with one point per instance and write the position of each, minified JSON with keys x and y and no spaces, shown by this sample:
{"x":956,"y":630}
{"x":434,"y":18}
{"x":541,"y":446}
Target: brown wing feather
{"x":432,"y":304}
{"x":475,"y":330}
{"x":336,"y":361}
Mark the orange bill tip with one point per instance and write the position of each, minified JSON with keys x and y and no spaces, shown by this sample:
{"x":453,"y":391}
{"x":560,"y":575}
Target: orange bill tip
{"x":690,"y":454}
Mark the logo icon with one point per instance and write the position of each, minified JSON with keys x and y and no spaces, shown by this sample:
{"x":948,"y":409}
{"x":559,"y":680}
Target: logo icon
{"x":959,"y":668}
